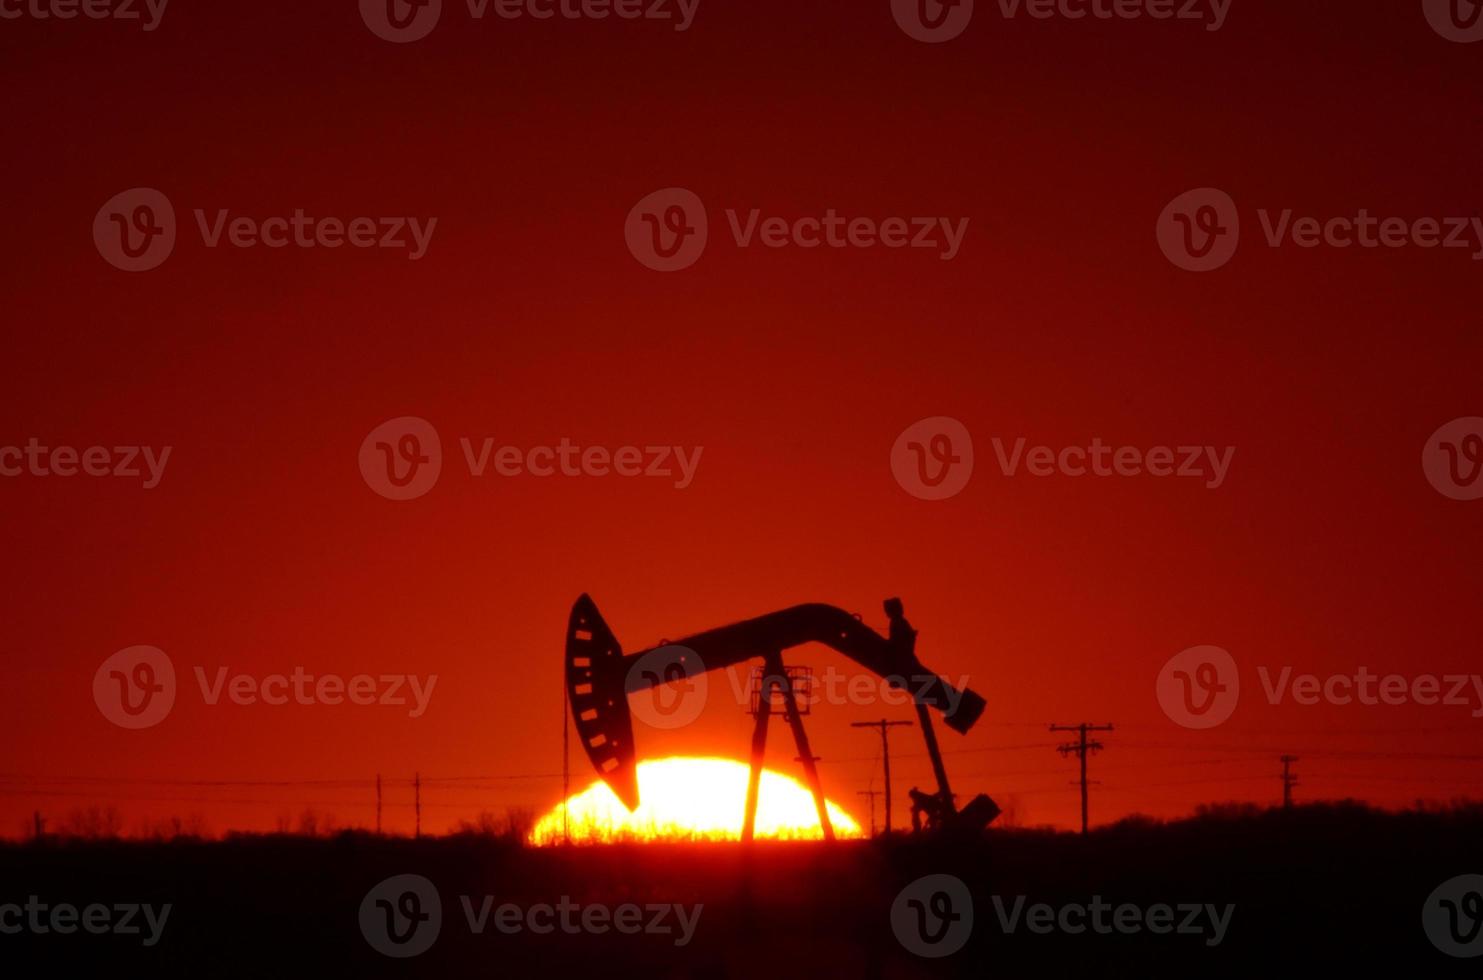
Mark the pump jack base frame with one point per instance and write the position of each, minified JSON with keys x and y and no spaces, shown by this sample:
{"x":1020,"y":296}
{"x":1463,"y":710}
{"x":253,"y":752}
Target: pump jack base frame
{"x":775,"y":679}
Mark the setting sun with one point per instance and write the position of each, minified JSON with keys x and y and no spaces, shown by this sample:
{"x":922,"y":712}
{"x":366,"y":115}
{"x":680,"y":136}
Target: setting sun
{"x":689,"y":798}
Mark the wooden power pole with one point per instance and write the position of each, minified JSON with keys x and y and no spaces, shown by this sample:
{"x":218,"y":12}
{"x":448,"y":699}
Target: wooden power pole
{"x":1288,"y":780}
{"x":885,"y":727}
{"x":872,"y":794}
{"x":1081,"y":748}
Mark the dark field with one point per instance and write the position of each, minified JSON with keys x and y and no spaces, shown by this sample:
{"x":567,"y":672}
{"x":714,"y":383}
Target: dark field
{"x":1331,"y":886}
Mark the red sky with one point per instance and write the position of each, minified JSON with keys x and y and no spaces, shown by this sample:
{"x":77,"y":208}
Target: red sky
{"x":528,"y":321}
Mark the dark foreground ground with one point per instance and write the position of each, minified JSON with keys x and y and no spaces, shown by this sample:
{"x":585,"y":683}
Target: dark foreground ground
{"x":1319,"y":889}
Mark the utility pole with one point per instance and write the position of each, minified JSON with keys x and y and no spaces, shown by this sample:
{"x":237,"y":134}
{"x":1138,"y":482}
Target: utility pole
{"x":378,"y":804}
{"x":1081,"y":747}
{"x":566,"y":764}
{"x":417,"y":797}
{"x":40,"y":824}
{"x":885,"y":727}
{"x":1288,"y":780}
{"x":872,"y":794}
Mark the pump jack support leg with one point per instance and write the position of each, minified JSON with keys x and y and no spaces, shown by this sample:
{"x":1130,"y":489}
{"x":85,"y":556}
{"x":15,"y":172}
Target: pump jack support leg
{"x":930,"y":736}
{"x":759,"y":752}
{"x":774,"y":662}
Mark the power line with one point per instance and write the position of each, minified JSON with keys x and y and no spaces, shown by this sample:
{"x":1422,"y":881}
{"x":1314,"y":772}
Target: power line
{"x":1081,"y":748}
{"x":885,"y":727}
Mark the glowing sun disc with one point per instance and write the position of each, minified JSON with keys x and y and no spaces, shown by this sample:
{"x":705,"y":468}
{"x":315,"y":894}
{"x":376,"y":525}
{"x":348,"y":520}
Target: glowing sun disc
{"x":685,"y":798}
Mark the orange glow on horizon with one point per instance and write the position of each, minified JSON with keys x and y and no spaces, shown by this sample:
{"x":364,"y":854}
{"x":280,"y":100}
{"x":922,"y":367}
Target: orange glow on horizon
{"x":685,"y":798}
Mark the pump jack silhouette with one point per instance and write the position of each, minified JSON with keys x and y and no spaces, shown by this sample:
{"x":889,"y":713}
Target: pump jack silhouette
{"x":600,"y":678}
